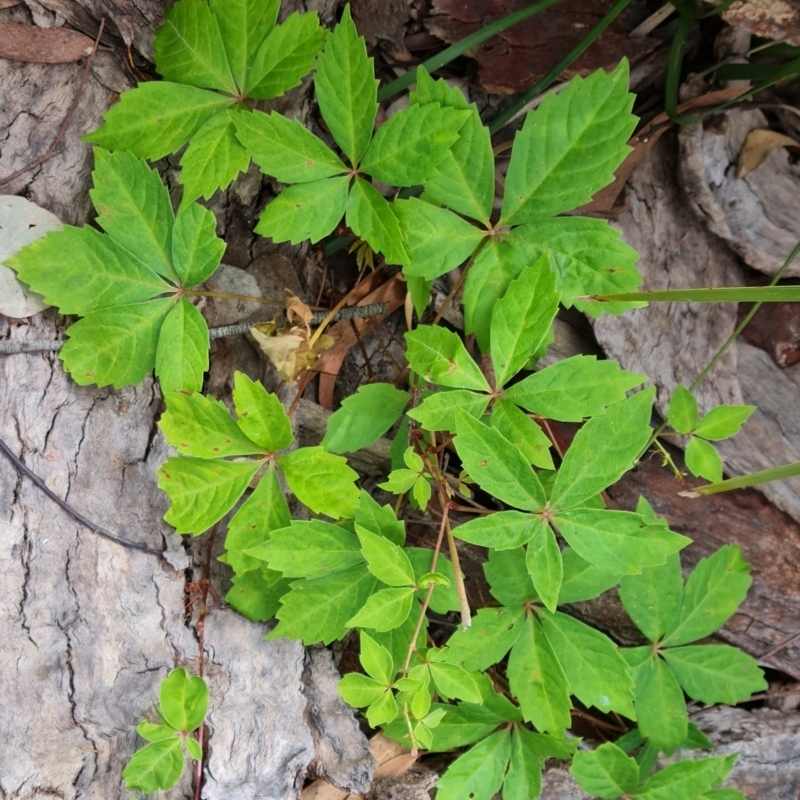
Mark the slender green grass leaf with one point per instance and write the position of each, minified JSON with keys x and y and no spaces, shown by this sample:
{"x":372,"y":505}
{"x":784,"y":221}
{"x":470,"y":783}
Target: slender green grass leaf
{"x":605,"y":772}
{"x":503,"y":530}
{"x":582,"y":580}
{"x":569,"y":147}
{"x":380,"y":520}
{"x":521,"y":320}
{"x":364,"y":417}
{"x":543,"y":558}
{"x":305,"y":211}
{"x":243,"y":25}
{"x":492,"y":634}
{"x":196,"y":250}
{"x":202,"y":492}
{"x":386,"y":609}
{"x":685,"y":780}
{"x":317,"y":610}
{"x":722,"y":294}
{"x":347,"y":91}
{"x":752,"y":479}
{"x":182,"y":352}
{"x":134,"y":209}
{"x":372,"y":219}
{"x":524,"y":777}
{"x":157,"y":118}
{"x":538,"y":681}
{"x":285,"y":150}
{"x":603,"y":450}
{"x":386,"y":560}
{"x":497,"y":465}
{"x":479,"y":773}
{"x":439,"y":356}
{"x":703,"y":460}
{"x":723,"y":422}
{"x":322,"y":481}
{"x":454,"y":682}
{"x":359,"y":690}
{"x":437,"y":240}
{"x":184,"y":700}
{"x":523,"y":432}
{"x":509,"y":580}
{"x":682,"y":410}
{"x":213,"y":158}
{"x":653,"y":598}
{"x":437,"y":412}
{"x":573,"y":389}
{"x":156,"y":766}
{"x":262,"y":417}
{"x":596,"y":673}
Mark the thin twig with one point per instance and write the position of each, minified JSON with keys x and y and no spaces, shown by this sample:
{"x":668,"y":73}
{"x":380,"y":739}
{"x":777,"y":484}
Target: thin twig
{"x":461,"y":590}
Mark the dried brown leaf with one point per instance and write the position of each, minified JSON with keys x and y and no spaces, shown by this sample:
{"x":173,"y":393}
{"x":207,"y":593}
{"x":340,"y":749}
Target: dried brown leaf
{"x":290,"y":348}
{"x":42,"y":45}
{"x":297,"y":309}
{"x":757,"y":146}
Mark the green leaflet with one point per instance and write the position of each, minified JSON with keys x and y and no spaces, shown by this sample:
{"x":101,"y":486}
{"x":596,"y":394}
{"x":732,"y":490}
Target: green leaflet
{"x":377,"y":519}
{"x":438,"y":356}
{"x":543,"y":558}
{"x":196,"y":250}
{"x":605,"y":772}
{"x":184,"y":700}
{"x":569,"y":147}
{"x":347,"y":91}
{"x":322,"y":481}
{"x":372,"y":219}
{"x":523,"y":432}
{"x":386,"y":560}
{"x":478,"y":774}
{"x":318,"y":610}
{"x":723,"y":421}
{"x":686,"y":780}
{"x":419,"y":290}
{"x":524,"y":777}
{"x":428,"y":90}
{"x":492,"y":634}
{"x":522,"y":318}
{"x":715,"y":589}
{"x":182,"y":351}
{"x":285,"y":150}
{"x":603,"y":451}
{"x":437,"y":412}
{"x":213,"y":158}
{"x":202,"y":492}
{"x":384,"y":610}
{"x":618,"y":541}
{"x":437,"y":240}
{"x":397,"y":640}
{"x":305,"y":211}
{"x":364,"y":417}
{"x":454,"y":682}
{"x":538,"y":681}
{"x":261,"y":415}
{"x":508,"y":577}
{"x":503,"y":530}
{"x":596,"y":673}
{"x":157,"y":118}
{"x":256,"y":594}
{"x":653,"y":598}
{"x":156,"y":766}
{"x":496,"y":465}
{"x":154,"y":733}
{"x":682,"y":411}
{"x":703,"y":460}
{"x":359,"y":690}
{"x":582,"y":580}
{"x":572,"y":389}
{"x":189,"y":48}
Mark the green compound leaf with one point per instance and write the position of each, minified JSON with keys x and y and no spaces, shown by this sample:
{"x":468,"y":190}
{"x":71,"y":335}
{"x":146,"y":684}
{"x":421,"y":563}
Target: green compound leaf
{"x":189,"y":48}
{"x":618,"y":541}
{"x":497,"y":465}
{"x":364,"y":417}
{"x":196,"y":250}
{"x":256,"y":594}
{"x":523,"y":432}
{"x":262,"y":417}
{"x":543,"y":558}
{"x":703,"y":460}
{"x":715,"y":673}
{"x":202,"y":492}
{"x":454,"y":682}
{"x":410,"y":145}
{"x":305,"y":211}
{"x":157,"y":118}
{"x":479,"y":773}
{"x":243,"y":25}
{"x":508,"y":577}
{"x":653,"y":598}
{"x":569,"y":147}
{"x":492,"y":634}
{"x":322,"y":481}
{"x":437,"y":412}
{"x":503,"y":530}
{"x":522,"y":319}
{"x":723,"y":422}
{"x":386,"y":560}
{"x":184,"y":700}
{"x":380,"y":520}
{"x":384,"y":610}
{"x":347,"y":90}
{"x":603,"y":451}
{"x":286,"y":56}
{"x":182,"y":352}
{"x":538,"y":681}
{"x":437,"y":240}
{"x":115,"y":346}
{"x":596,"y":673}
{"x":213,"y":158}
{"x":134,"y":209}
{"x":715,"y":589}
{"x":200,"y":426}
{"x":156,"y":766}
{"x":582,"y":580}
{"x":376,"y":660}
{"x":438,"y":356}
{"x":318,"y":610}
{"x":524,"y":777}
{"x":309,"y":549}
{"x":682,"y":411}
{"x":372,"y":219}
{"x":574,"y":388}
{"x":359,"y":690}
{"x":685,"y":780}
{"x":285,"y":150}
{"x":605,"y":772}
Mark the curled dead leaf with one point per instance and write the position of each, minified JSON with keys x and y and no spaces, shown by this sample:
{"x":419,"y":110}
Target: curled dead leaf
{"x":757,"y":146}
{"x":297,"y":309}
{"x":289,"y":348}
{"x":42,"y":45}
